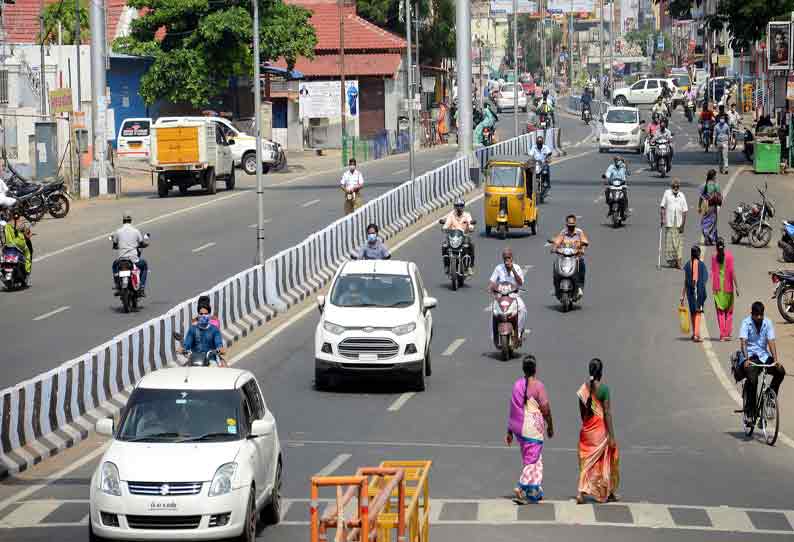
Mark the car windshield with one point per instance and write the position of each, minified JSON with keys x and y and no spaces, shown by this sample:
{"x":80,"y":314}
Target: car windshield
{"x":162,"y":415}
{"x":506,"y":177}
{"x":135,"y":128}
{"x":507,"y":88}
{"x":621,"y":116}
{"x":371,"y":290}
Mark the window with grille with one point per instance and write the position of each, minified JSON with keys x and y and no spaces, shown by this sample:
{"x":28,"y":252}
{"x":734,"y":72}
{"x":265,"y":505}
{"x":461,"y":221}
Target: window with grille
{"x":3,"y":86}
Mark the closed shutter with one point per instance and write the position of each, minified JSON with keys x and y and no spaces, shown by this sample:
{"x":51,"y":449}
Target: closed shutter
{"x":371,"y":101}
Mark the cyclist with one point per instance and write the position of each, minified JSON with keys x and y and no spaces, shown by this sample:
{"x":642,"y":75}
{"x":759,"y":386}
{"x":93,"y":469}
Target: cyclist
{"x":757,"y":339}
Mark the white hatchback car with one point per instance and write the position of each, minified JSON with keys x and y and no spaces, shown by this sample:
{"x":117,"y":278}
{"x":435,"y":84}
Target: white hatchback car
{"x":376,"y":319}
{"x":506,"y":99}
{"x":196,"y":456}
{"x":621,"y":128}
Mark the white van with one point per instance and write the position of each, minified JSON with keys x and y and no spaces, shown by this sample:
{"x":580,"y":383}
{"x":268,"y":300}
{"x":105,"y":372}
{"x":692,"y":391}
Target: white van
{"x":134,"y":138}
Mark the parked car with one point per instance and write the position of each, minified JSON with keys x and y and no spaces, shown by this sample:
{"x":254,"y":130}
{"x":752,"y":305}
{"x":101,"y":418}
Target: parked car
{"x":506,"y":99}
{"x":377,"y":319}
{"x":621,"y":129}
{"x":645,"y":92}
{"x":196,"y":455}
{"x":134,"y":138}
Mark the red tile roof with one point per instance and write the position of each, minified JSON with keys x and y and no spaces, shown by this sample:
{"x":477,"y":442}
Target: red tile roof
{"x":22,"y":18}
{"x":356,"y":65}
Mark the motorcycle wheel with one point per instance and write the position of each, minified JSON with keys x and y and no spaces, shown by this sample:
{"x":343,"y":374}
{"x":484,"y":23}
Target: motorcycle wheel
{"x":505,"y":352}
{"x":785,"y":303}
{"x":615,"y":220}
{"x":788,"y":254}
{"x":125,"y":300}
{"x":662,"y":170}
{"x":565,"y":300}
{"x":760,"y":239}
{"x":735,"y":239}
{"x":502,"y":231}
{"x":454,"y":280}
{"x":58,"y":206}
{"x":35,"y":213}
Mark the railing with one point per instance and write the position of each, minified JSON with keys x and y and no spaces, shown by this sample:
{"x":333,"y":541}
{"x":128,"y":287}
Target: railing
{"x":34,"y":78}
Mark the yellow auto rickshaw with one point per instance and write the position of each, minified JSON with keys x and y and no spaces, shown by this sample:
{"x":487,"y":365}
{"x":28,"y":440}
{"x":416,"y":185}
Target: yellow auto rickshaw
{"x":510,"y":200}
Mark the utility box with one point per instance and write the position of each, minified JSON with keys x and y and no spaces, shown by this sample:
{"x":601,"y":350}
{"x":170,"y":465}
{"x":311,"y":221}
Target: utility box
{"x":766,"y":157}
{"x":46,"y":139}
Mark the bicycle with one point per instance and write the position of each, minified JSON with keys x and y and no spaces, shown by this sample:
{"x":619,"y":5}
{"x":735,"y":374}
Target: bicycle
{"x":767,"y":409}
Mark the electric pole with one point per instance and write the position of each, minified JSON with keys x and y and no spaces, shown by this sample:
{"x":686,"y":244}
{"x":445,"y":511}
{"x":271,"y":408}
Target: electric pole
{"x":411,"y":93}
{"x":515,"y":67}
{"x":260,"y":185}
{"x":463,"y":51}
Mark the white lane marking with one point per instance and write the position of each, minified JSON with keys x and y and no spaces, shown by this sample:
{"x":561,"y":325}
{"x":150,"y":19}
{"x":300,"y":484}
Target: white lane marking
{"x":400,"y":401}
{"x":455,"y":345}
{"x":30,"y":513}
{"x":401,"y":171}
{"x":727,"y":519}
{"x":202,"y":247}
{"x":153,"y":220}
{"x":331,"y":467}
{"x":438,"y":161}
{"x":30,"y":490}
{"x":497,"y":510}
{"x":652,"y":515}
{"x":571,"y":513}
{"x":310,"y":203}
{"x":265,"y":221}
{"x":51,"y":313}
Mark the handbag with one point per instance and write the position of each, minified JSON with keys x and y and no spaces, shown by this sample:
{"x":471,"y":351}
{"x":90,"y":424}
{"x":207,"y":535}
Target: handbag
{"x":683,"y":319}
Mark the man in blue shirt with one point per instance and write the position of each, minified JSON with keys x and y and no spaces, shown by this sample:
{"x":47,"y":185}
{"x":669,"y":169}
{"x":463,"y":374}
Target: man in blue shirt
{"x":374,"y":248}
{"x":202,"y":336}
{"x":757,"y":338}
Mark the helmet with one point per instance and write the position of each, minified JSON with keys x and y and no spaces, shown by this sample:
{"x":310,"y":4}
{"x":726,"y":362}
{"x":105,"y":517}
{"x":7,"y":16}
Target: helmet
{"x":126,"y":218}
{"x":204,"y":303}
{"x":459,"y":203}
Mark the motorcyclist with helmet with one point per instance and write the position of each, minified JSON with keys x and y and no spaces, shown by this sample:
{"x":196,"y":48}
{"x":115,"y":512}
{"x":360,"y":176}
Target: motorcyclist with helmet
{"x":617,"y":170}
{"x":546,"y":107}
{"x":128,"y":242}
{"x":458,"y":219}
{"x":540,"y":152}
{"x":587,"y":100}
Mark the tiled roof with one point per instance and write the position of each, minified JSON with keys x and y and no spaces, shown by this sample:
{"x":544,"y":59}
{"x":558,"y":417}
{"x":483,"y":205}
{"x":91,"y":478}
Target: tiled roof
{"x":356,"y":65}
{"x":22,"y":18}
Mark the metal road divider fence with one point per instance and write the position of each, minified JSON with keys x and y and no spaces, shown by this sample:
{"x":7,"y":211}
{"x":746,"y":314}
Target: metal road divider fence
{"x":56,"y":409}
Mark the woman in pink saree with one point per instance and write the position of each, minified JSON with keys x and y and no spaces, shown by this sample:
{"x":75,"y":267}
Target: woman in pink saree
{"x":599,"y":463}
{"x":529,"y":419}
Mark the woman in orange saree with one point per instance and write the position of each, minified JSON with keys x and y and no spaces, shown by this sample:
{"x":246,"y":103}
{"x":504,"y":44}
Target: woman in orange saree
{"x":599,"y":463}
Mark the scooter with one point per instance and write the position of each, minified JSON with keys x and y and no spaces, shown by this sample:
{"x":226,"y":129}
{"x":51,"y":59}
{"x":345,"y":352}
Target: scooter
{"x":587,"y":116}
{"x":458,"y":259}
{"x":616,"y":198}
{"x":487,"y":137}
{"x":566,"y":268}
{"x":543,"y":121}
{"x":12,"y":268}
{"x":505,"y":320}
{"x":128,"y":280}
{"x":689,"y":110}
{"x":752,"y":221}
{"x":543,"y":175}
{"x":786,"y":242}
{"x":662,"y":156}
{"x":783,"y":282}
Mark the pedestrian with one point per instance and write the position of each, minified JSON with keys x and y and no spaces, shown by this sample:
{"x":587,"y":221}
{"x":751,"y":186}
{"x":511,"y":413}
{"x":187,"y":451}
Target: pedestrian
{"x":673,"y":210}
{"x":722,"y":137}
{"x":695,"y":279}
{"x":351,"y":183}
{"x":599,"y":459}
{"x":708,"y":206}
{"x":529,"y":418}
{"x":724,"y":287}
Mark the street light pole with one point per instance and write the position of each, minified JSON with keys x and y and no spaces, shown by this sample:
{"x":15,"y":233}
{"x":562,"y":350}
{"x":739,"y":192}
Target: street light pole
{"x":411,"y":93}
{"x":611,"y":45}
{"x":260,"y":185}
{"x":463,"y":53}
{"x":601,"y":53}
{"x":515,"y":67}
{"x":570,"y":50}
{"x":342,"y":89}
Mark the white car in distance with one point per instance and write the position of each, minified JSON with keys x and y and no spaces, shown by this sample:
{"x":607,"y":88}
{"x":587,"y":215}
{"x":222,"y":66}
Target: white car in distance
{"x":377,"y":319}
{"x":196,"y":456}
{"x":506,"y":97}
{"x":621,"y":128}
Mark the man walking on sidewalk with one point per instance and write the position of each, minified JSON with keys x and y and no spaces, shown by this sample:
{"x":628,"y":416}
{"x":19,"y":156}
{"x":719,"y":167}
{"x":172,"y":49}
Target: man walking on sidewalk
{"x":673,"y":211}
{"x":351,"y":184}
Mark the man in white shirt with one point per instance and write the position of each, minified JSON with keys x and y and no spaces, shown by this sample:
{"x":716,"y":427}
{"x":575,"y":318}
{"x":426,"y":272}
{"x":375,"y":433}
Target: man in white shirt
{"x":673,"y":211}
{"x":5,"y":200}
{"x":351,"y":184}
{"x":507,"y":271}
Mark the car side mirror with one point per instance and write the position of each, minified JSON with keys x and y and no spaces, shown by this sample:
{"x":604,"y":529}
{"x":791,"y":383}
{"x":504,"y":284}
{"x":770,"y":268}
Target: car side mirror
{"x":263,"y":427}
{"x":429,"y":303}
{"x":104,"y":427}
{"x":230,"y":142}
{"x":442,"y":221}
{"x":320,"y":303}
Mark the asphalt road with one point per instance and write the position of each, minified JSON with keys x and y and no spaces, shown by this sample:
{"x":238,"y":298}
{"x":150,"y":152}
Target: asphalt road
{"x":686,"y":472}
{"x":71,"y":308}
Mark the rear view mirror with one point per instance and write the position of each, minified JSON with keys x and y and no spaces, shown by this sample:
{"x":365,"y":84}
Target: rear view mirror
{"x":320,"y":302}
{"x":104,"y":427}
{"x":262,"y":428}
{"x":429,"y":302}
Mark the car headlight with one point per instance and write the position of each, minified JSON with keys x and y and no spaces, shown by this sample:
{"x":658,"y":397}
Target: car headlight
{"x":222,"y":481}
{"x":109,"y":479}
{"x":403,"y":329}
{"x":333,"y":328}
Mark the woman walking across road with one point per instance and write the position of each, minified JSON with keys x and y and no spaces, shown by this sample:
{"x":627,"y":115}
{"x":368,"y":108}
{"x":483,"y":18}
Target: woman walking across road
{"x":599,"y":460}
{"x":529,"y":419}
{"x":710,"y":202}
{"x":724,"y":287}
{"x":695,"y":279}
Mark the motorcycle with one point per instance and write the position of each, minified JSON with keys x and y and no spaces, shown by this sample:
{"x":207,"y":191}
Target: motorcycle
{"x":706,"y":136}
{"x":543,"y":121}
{"x":458,"y":259}
{"x":505,"y":320}
{"x":128,"y":281}
{"x":734,"y":137}
{"x":212,"y":358}
{"x":12,"y":268}
{"x":689,"y":110}
{"x":752,"y":221}
{"x":566,"y":268}
{"x":30,"y":199}
{"x":786,"y":242}
{"x":783,"y":282}
{"x":543,"y":176}
{"x":56,"y":199}
{"x":662,"y":155}
{"x":587,"y":116}
{"x":487,"y":137}
{"x":616,"y":198}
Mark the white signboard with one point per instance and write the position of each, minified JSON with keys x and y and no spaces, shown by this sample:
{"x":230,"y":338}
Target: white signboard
{"x":566,"y":6}
{"x":499,"y":7}
{"x":321,"y":99}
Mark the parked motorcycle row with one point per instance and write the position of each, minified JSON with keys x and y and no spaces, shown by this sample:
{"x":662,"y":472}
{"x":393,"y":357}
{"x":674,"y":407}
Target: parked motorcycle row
{"x":34,"y":200}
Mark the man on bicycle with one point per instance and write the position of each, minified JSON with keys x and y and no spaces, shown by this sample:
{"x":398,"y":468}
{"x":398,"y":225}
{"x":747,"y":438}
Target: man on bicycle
{"x":757,"y":338}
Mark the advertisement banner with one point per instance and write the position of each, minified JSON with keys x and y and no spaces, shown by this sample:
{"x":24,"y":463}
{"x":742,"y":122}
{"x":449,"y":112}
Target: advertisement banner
{"x":505,"y":7}
{"x":60,"y":101}
{"x":778,"y":45}
{"x":321,"y":99}
{"x":567,"y":6}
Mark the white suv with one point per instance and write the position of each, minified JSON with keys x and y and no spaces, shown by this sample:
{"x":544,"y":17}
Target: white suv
{"x":646,"y":91}
{"x":376,"y":319}
{"x":196,"y":456}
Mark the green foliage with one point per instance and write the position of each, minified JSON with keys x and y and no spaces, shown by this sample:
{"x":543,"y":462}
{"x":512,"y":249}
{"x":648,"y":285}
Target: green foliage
{"x":528,"y":39}
{"x":63,"y":12}
{"x":660,"y":67}
{"x":207,"y":42}
{"x":640,"y":37}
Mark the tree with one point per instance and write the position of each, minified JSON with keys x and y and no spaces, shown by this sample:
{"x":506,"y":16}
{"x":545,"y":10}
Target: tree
{"x":207,"y":42}
{"x":63,"y":12}
{"x":436,"y":28}
{"x":640,"y":37}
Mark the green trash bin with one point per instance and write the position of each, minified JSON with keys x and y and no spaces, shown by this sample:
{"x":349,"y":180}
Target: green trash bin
{"x":766,"y":157}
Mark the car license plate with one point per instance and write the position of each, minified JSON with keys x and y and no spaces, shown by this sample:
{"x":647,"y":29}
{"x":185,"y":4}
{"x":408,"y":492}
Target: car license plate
{"x":367,"y":357}
{"x":124,"y":274}
{"x":134,"y":144}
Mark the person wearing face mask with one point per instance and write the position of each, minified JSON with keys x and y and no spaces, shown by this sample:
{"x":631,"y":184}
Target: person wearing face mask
{"x":540,"y":152}
{"x":202,"y":336}
{"x":458,"y":219}
{"x":373,"y":249}
{"x":510,"y":272}
{"x":573,"y":237}
{"x":724,"y":288}
{"x":722,"y":137}
{"x":673,"y":211}
{"x":351,"y":183}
